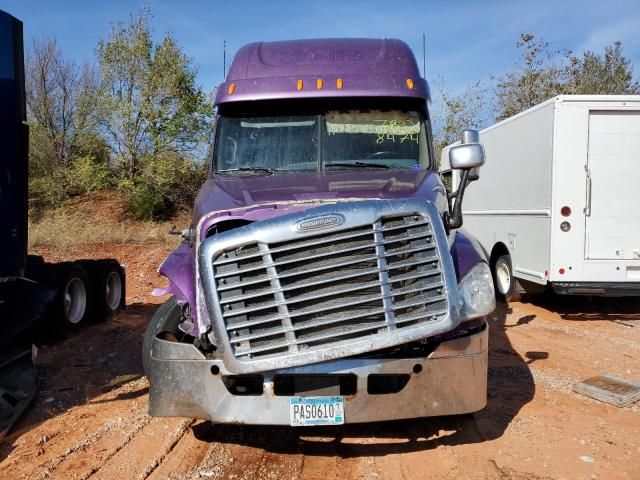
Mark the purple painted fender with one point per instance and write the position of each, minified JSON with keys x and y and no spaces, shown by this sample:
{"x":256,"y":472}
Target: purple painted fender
{"x":178,"y":267}
{"x":466,"y":253}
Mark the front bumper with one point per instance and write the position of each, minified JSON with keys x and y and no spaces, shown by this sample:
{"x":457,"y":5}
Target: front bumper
{"x":452,"y":379}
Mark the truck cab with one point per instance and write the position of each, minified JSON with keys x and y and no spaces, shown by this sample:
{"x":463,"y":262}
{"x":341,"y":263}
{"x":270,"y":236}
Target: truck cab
{"x":324,"y":278}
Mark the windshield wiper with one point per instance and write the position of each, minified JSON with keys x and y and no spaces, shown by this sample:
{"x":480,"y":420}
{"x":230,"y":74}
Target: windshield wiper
{"x":357,"y":164}
{"x":270,"y":171}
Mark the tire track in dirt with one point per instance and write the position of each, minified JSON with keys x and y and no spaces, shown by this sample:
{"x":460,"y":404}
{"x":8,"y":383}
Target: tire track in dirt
{"x":138,"y":456}
{"x":187,"y":453}
{"x":64,"y":437}
{"x":98,"y":451}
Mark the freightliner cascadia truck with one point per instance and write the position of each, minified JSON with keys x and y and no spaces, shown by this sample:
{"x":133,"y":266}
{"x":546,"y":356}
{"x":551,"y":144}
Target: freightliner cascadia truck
{"x":34,"y":295}
{"x":325,"y":278}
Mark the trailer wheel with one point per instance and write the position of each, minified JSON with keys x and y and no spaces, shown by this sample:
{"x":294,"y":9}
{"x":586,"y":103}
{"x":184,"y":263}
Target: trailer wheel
{"x":110,"y":290}
{"x":73,"y":303}
{"x":167,"y":318}
{"x":503,"y":278}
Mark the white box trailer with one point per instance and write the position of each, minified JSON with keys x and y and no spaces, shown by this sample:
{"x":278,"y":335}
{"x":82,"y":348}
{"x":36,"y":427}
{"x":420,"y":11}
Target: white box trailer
{"x":559,"y":200}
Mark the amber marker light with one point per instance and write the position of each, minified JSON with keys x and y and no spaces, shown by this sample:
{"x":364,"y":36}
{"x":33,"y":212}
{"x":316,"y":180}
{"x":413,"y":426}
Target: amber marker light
{"x":232,"y":88}
{"x":339,"y":83}
{"x":410,"y":83}
{"x":319,"y":84}
{"x":300,"y":84}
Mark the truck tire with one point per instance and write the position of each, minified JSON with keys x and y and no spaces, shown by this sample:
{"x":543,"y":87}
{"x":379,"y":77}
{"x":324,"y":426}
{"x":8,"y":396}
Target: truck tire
{"x":504,"y":281}
{"x":109,"y":290}
{"x":73,"y":303}
{"x":166,"y":318}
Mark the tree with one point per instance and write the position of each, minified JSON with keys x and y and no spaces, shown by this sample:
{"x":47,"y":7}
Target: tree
{"x":150,"y":103}
{"x":457,"y":113}
{"x":611,"y":74}
{"x":539,"y":74}
{"x":542,"y":73}
{"x":60,"y":102}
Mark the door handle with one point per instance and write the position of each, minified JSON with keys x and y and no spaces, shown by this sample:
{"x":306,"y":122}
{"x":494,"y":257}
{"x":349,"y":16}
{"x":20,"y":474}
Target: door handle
{"x":587,"y":208}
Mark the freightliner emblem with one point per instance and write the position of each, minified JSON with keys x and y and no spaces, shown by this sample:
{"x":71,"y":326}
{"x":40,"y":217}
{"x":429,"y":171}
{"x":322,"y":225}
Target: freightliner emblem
{"x":319,"y":223}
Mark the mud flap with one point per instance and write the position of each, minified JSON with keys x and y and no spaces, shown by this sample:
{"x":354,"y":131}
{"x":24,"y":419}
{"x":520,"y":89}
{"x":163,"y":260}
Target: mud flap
{"x":22,"y":303}
{"x":18,"y":387}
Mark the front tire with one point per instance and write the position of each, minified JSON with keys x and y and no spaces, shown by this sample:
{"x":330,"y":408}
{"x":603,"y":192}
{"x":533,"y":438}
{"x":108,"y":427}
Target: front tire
{"x":166,"y":318}
{"x":504,"y":281}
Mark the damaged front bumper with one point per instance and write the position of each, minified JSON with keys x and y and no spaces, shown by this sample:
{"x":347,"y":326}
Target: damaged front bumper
{"x":451,"y":379}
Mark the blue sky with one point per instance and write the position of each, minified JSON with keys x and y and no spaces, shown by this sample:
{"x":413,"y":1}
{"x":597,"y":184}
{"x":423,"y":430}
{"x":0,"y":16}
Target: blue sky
{"x":466,"y":40}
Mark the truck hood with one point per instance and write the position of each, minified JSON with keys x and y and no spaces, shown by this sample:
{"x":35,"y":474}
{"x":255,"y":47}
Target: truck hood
{"x":227,"y":192}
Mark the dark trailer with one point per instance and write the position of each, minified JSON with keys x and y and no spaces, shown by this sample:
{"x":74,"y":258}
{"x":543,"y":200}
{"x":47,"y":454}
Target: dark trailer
{"x":35,"y":296}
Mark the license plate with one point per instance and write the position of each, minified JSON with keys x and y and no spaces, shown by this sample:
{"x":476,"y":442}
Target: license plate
{"x":316,"y":411}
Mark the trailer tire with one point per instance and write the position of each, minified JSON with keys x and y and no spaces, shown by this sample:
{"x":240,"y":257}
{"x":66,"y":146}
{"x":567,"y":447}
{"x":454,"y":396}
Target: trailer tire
{"x":73,"y":304}
{"x":109,"y":290}
{"x":166,"y":318}
{"x":503,"y":279}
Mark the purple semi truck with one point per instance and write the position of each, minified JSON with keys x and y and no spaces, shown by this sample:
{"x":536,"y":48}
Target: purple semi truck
{"x":325,"y":278}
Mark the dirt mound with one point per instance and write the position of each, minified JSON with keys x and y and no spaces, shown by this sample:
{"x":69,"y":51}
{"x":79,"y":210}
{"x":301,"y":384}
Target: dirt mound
{"x":96,"y":218}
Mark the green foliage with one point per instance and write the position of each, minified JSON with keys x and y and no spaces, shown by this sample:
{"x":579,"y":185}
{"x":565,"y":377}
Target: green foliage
{"x":165,"y":183}
{"x":460,"y":112}
{"x":149,"y":101}
{"x":138,"y":129}
{"x":542,"y":73}
{"x":145,"y":203}
{"x":88,"y":174}
{"x":48,"y":190}
{"x":608,"y":74}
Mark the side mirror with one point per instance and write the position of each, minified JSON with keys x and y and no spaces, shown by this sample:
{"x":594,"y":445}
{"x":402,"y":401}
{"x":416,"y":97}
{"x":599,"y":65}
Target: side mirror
{"x":468,"y":156}
{"x":465,"y":156}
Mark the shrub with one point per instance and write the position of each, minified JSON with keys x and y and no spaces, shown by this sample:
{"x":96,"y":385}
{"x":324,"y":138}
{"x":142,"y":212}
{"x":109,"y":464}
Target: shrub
{"x":166,"y":183}
{"x":145,"y":203}
{"x":87,"y":174}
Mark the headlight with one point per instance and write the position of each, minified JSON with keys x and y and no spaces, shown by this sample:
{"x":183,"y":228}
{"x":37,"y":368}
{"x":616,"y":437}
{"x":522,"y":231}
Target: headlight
{"x":477,"y":297}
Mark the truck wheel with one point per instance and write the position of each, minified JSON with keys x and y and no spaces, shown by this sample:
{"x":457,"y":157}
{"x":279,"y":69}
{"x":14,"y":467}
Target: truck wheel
{"x":110,"y":290}
{"x":166,"y":318}
{"x":503,"y":278}
{"x":74,"y":300}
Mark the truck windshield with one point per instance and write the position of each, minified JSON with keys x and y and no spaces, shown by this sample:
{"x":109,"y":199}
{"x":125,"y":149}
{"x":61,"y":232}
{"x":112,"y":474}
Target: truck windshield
{"x":333,"y":140}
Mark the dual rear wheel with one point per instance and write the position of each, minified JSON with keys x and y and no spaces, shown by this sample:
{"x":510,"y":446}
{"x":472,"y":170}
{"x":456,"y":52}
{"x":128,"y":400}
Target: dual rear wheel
{"x":89,"y":291}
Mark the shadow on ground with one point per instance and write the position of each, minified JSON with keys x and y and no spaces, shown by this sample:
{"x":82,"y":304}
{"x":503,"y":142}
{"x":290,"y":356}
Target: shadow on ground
{"x":510,"y":387}
{"x":88,"y":363}
{"x":578,"y":308}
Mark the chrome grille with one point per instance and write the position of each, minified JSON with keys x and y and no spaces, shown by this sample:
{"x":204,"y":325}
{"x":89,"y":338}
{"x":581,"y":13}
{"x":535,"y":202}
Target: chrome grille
{"x":295,"y":296}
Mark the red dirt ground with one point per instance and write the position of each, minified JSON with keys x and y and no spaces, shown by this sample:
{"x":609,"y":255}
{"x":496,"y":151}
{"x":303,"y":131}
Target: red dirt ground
{"x":90,"y":418}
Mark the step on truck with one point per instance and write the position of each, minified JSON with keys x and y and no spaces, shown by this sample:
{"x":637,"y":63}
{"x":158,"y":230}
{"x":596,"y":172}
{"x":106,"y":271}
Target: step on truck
{"x":37,"y":298}
{"x":558,"y":203}
{"x":325,"y":278}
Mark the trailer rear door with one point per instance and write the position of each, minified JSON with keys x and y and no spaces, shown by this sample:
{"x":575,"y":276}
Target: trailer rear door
{"x":613,"y":186}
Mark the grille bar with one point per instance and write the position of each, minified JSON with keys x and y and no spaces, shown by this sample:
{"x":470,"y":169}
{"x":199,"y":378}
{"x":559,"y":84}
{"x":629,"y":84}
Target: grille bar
{"x":311,"y":339}
{"x":301,"y":299}
{"x":322,"y":255}
{"x":272,"y":318}
{"x":323,"y":281}
{"x":347,"y":236}
{"x":323,"y":321}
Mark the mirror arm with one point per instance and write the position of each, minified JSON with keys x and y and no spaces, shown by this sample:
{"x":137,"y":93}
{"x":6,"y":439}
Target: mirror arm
{"x":455,"y":219}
